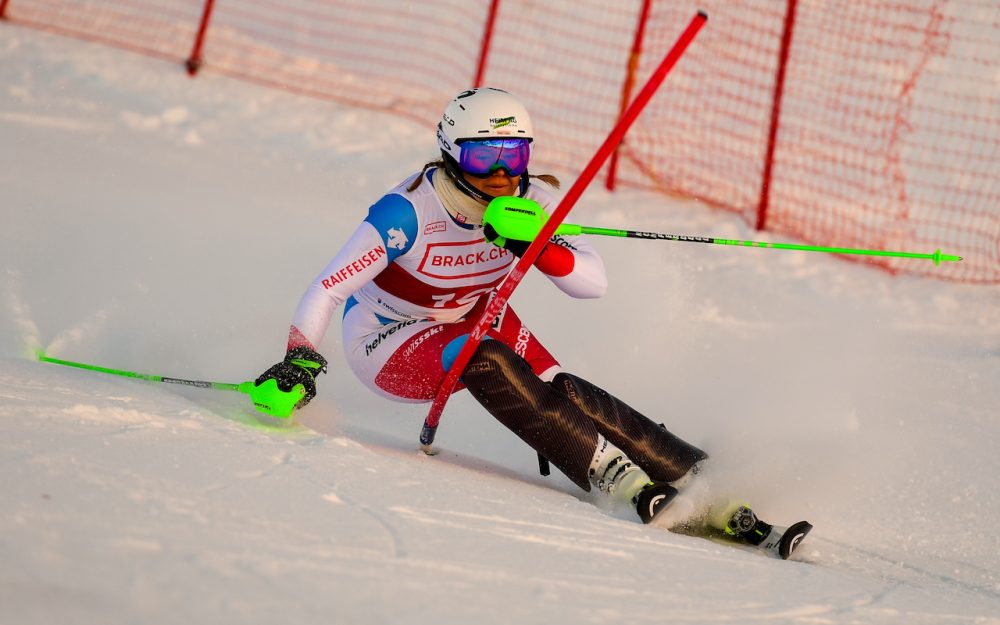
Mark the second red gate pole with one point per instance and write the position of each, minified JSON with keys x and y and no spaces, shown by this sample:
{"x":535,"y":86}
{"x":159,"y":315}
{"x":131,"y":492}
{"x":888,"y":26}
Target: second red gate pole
{"x":194,"y":61}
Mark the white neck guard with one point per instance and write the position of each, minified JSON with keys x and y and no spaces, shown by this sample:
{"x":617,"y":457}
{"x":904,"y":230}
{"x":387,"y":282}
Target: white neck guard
{"x":464,"y":209}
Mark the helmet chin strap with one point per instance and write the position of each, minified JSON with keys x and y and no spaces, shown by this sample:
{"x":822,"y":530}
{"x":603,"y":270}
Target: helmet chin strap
{"x":463,"y":185}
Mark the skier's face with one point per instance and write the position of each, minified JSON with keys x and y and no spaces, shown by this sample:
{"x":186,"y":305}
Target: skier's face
{"x":500,"y":183}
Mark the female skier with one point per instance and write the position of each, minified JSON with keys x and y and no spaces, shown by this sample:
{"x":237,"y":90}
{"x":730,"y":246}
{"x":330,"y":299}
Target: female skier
{"x":415,"y":277}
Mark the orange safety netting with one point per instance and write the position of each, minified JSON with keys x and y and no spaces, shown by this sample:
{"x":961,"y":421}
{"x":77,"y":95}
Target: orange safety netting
{"x":888,"y":135}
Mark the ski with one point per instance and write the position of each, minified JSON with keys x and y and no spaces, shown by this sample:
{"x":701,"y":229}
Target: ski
{"x":781,"y":542}
{"x":734,"y":524}
{"x":778,"y":542}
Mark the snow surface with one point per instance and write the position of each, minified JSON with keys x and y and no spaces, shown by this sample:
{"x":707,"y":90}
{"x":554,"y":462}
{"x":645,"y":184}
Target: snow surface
{"x":166,"y":225}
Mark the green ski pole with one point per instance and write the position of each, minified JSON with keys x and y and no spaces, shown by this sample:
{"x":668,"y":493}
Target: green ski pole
{"x":521,"y":219}
{"x":267,"y":397}
{"x":243,"y":387}
{"x":572,"y":229}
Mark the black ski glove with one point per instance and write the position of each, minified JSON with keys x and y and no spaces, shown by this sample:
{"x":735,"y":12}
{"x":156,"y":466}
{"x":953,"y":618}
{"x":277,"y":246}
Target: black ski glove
{"x":517,"y":248}
{"x":300,"y":366}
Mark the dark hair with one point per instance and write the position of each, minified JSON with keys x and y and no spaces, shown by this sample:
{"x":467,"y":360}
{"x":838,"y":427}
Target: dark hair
{"x":547,"y":178}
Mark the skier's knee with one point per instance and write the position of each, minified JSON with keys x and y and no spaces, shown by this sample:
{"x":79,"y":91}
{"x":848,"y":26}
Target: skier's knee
{"x":504,"y":384}
{"x":450,"y":352}
{"x":663,"y":455}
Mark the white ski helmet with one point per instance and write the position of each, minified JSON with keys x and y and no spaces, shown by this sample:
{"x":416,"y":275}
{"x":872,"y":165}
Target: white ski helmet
{"x":482,"y":113}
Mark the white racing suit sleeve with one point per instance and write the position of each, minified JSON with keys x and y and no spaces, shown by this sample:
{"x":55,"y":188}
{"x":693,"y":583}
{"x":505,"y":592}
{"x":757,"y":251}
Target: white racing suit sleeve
{"x":569,"y":261}
{"x":358,"y":262}
{"x":586,"y":278}
{"x":386,"y":233}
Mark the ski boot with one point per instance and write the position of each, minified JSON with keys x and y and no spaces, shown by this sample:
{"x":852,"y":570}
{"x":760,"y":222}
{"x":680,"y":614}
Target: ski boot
{"x":614,"y":474}
{"x":652,"y":499}
{"x":779,"y":542}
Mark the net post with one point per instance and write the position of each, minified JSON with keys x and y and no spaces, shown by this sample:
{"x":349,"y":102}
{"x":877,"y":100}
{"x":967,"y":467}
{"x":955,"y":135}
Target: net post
{"x":630,"y":71}
{"x":772,"y":134}
{"x":484,"y":50}
{"x":194,"y":62}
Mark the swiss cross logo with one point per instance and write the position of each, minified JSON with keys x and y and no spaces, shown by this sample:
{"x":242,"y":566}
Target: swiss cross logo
{"x":466,"y":259}
{"x":396,"y":238}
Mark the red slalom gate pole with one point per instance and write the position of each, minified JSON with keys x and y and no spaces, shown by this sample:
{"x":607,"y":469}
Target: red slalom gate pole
{"x":772,"y":134}
{"x":505,"y":290}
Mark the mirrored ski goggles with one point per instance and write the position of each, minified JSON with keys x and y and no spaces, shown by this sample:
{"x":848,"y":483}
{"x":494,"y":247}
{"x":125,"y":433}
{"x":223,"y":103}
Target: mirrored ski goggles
{"x":482,"y":157}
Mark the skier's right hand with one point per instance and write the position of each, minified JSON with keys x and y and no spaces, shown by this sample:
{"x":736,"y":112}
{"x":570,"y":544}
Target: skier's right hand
{"x":513,"y":223}
{"x":289,"y":384}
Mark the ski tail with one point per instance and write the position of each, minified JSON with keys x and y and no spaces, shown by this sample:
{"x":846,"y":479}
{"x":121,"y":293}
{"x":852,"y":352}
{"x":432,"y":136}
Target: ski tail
{"x":733,"y":522}
{"x":791,"y":537}
{"x":780,"y":542}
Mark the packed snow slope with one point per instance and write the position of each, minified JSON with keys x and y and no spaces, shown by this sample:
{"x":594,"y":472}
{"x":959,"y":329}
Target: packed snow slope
{"x":166,"y":225}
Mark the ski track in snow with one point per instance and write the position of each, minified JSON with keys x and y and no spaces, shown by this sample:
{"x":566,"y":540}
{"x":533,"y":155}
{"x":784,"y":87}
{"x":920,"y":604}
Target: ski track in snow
{"x":145,"y":224}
